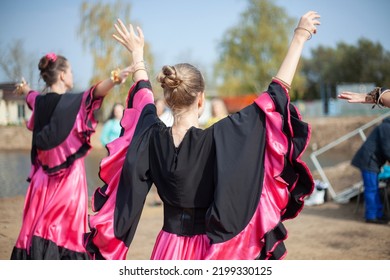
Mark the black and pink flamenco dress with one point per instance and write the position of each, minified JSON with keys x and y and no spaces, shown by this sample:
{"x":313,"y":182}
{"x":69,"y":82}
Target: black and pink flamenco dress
{"x":56,"y":204}
{"x":226,"y":190}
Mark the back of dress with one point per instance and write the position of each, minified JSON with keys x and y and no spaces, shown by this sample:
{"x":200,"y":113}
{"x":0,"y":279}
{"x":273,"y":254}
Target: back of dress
{"x":183,"y":175}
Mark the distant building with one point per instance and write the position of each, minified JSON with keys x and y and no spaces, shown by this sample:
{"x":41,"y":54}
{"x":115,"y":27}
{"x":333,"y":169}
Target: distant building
{"x":13,"y":107}
{"x":237,"y":103}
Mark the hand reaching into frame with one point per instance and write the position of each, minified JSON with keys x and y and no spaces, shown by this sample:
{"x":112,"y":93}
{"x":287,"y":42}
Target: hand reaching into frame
{"x":378,"y":96}
{"x":353,"y":97}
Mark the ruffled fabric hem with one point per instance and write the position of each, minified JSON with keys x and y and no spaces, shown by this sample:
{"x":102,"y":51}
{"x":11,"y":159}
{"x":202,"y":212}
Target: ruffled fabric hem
{"x":291,"y":179}
{"x":57,"y":213}
{"x":51,"y":252}
{"x":287,"y":181}
{"x":101,"y":242}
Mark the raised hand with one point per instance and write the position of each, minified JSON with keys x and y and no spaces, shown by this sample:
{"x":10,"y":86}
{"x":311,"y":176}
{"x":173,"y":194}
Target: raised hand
{"x":306,"y":27}
{"x":308,"y":24}
{"x":135,"y":44}
{"x":129,"y":39}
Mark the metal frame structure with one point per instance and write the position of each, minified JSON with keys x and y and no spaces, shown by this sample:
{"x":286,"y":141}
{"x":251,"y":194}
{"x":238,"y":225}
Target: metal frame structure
{"x":345,"y":195}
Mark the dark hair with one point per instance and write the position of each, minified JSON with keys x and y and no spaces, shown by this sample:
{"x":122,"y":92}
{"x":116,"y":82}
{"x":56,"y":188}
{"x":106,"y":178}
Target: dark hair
{"x":181,"y":85}
{"x":50,"y":66}
{"x":112,"y":114}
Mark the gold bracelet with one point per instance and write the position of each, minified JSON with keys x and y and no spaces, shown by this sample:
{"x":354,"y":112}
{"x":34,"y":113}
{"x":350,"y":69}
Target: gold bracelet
{"x":136,"y":70}
{"x":305,"y":30}
{"x":115,"y":78}
{"x":141,"y":61}
{"x":282,"y":82}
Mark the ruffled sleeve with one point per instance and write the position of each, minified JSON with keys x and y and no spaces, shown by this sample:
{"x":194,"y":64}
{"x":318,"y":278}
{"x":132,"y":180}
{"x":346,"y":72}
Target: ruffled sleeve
{"x":64,"y":140}
{"x":261,"y":179}
{"x":120,"y":201}
{"x":30,"y":100}
{"x":89,"y":106}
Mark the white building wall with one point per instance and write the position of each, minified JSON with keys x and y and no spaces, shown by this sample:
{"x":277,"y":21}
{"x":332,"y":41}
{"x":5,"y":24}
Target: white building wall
{"x":3,"y":113}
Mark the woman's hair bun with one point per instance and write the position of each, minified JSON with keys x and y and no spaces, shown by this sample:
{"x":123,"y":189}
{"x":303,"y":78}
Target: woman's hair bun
{"x":170,"y":77}
{"x":181,"y":84}
{"x":43,"y":63}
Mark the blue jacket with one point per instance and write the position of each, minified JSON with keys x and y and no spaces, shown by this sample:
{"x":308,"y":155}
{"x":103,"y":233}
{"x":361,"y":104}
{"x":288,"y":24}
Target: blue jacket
{"x":111,"y":131}
{"x":375,"y":151}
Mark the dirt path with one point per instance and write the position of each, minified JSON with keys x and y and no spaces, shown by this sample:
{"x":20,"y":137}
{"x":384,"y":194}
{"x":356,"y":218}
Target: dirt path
{"x":326,"y":232}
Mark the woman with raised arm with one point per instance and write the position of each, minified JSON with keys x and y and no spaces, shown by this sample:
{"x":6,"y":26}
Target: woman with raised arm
{"x":226,"y":189}
{"x":56,"y":203}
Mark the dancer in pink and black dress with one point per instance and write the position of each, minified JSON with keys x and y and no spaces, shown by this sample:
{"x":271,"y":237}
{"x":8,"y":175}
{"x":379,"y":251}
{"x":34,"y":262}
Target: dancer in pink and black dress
{"x":226,"y":189}
{"x":56,"y":203}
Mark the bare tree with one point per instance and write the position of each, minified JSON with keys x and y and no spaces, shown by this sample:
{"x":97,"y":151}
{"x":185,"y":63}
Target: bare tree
{"x":16,"y":63}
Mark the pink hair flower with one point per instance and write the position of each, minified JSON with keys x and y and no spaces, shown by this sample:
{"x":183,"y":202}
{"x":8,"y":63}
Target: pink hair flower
{"x":51,"y":57}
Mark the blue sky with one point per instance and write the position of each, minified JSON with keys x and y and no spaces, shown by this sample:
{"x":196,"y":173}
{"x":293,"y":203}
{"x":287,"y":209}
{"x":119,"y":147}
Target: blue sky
{"x":50,"y":25}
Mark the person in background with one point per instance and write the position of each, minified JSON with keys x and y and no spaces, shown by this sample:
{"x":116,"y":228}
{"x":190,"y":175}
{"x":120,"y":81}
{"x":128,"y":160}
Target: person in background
{"x":112,"y":127}
{"x":370,"y":158}
{"x":163,"y":112}
{"x":218,"y":111}
{"x":56,"y":203}
{"x":378,"y":96}
{"x":385,"y":172}
{"x":226,"y":189}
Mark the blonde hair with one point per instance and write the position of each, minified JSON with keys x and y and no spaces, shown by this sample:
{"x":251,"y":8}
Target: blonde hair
{"x":181,"y":85}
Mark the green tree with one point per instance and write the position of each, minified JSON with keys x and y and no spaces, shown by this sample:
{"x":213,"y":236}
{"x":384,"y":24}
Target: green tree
{"x":365,"y":62}
{"x":252,"y":51}
{"x":96,"y":29}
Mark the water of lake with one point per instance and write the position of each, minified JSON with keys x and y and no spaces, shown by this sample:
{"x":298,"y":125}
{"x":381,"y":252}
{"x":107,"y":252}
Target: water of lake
{"x":15,"y":167}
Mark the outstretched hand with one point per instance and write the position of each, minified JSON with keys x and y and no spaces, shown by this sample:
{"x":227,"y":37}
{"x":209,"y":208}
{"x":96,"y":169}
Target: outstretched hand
{"x":128,"y":38}
{"x":119,"y":76}
{"x":21,"y":88}
{"x":352,"y":97}
{"x":135,"y":44}
{"x":124,"y":73}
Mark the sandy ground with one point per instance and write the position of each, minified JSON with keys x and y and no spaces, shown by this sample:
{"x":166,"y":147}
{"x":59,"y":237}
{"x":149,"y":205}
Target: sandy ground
{"x":329,"y":231}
